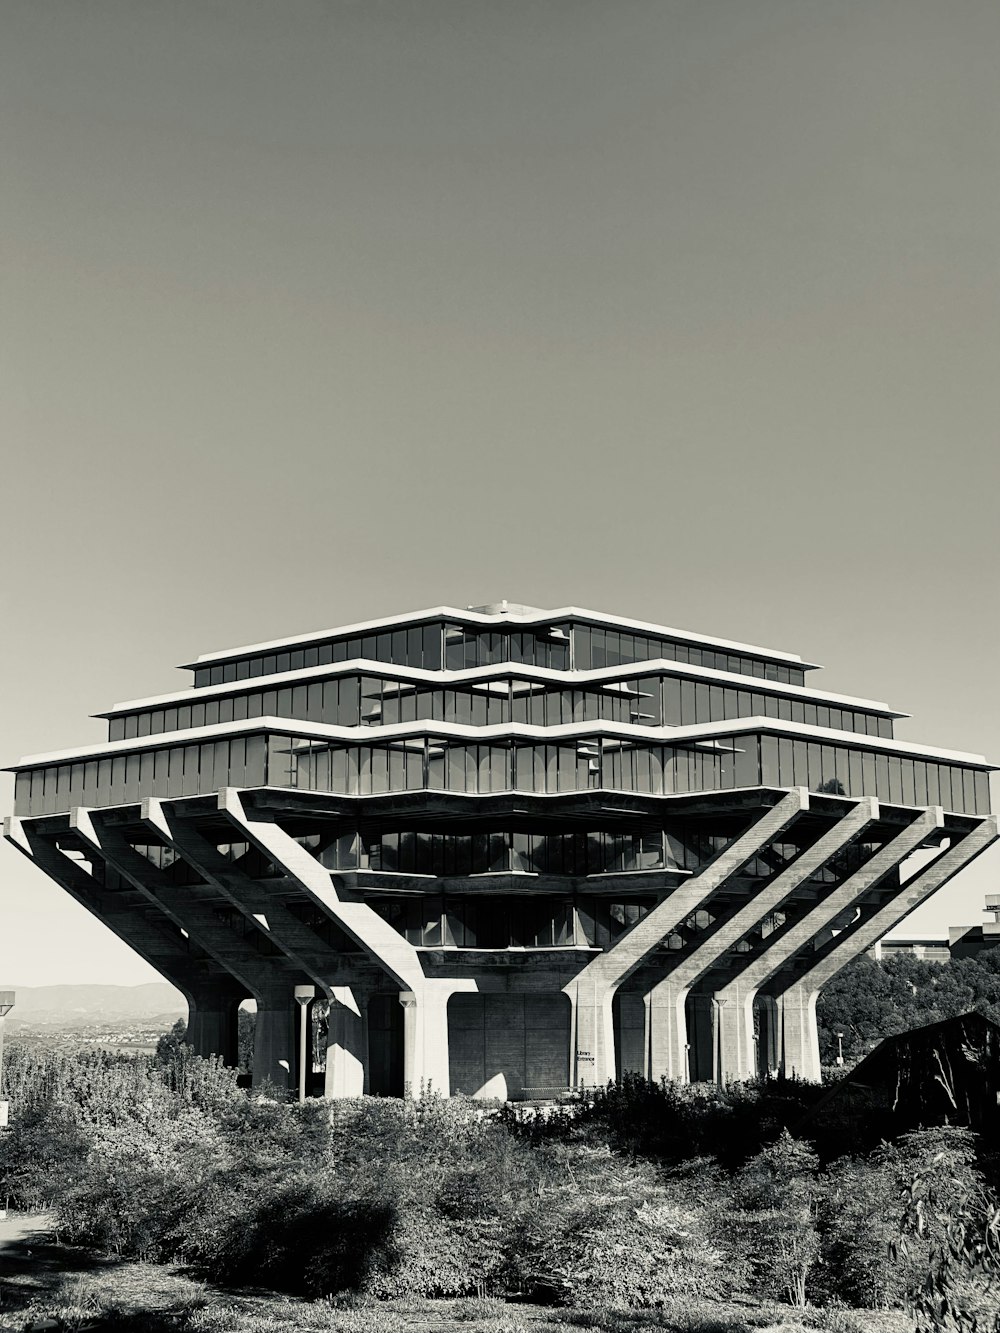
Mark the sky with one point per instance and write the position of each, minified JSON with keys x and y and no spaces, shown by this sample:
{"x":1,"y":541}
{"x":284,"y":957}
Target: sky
{"x":320,"y":310}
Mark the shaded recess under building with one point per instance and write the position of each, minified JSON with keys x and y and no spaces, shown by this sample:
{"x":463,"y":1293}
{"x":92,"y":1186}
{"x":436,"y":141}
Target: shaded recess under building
{"x":516,"y":851}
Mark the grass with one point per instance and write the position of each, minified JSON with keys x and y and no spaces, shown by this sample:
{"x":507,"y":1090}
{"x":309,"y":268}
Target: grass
{"x":83,"y":1291}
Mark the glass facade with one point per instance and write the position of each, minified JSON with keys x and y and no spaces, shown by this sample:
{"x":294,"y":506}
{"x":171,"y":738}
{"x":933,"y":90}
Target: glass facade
{"x":456,"y":647}
{"x":445,"y":764}
{"x":517,"y":850}
{"x":528,"y":922}
{"x":359,"y":700}
{"x":598,"y":647}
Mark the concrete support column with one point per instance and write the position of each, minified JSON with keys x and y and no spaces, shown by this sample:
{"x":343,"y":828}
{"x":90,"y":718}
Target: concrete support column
{"x":666,"y":1033}
{"x":436,"y":1070}
{"x":426,"y":1053}
{"x":213,"y":1024}
{"x":667,"y":1042}
{"x":347,"y":1043}
{"x":769,"y":1045}
{"x":412,"y":1046}
{"x":275,"y":1041}
{"x":798,"y":1036}
{"x":734,"y":1050}
{"x":593,"y":990}
{"x":736,"y":1053}
{"x":796,"y":1003}
{"x":592,"y":1034}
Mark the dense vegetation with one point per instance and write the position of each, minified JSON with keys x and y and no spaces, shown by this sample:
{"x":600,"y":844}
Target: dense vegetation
{"x":626,"y":1201}
{"x":868,"y":1001}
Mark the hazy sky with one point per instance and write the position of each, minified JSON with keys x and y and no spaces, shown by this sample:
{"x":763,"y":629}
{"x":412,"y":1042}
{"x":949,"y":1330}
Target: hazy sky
{"x":319,"y":311}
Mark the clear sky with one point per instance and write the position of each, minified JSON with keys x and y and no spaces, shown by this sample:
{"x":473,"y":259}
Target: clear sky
{"x":319,"y":310}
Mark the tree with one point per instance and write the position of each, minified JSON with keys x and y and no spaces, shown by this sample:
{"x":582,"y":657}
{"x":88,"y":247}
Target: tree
{"x":171,"y":1043}
{"x":772,"y":1221}
{"x":949,"y":1209}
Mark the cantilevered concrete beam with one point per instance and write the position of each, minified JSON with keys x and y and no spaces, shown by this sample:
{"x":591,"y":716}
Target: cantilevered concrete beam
{"x":425,"y":999}
{"x":733,"y":1047}
{"x":592,"y":991}
{"x":347,"y":1056}
{"x":213,"y":996}
{"x":666,"y":1020}
{"x":269,"y":982}
{"x":795,"y":1004}
{"x":297,"y":941}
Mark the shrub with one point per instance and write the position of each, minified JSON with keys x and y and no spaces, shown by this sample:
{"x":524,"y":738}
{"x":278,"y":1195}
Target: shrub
{"x":603,"y":1231}
{"x":41,"y":1155}
{"x":858,"y":1221}
{"x":955,"y":1218}
{"x":771,"y":1224}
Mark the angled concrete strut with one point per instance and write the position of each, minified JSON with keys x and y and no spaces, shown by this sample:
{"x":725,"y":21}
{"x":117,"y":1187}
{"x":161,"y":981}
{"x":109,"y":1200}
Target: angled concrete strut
{"x":593,"y":990}
{"x":424,"y":999}
{"x":734,"y":1054}
{"x":795,"y":1004}
{"x":666,"y":1020}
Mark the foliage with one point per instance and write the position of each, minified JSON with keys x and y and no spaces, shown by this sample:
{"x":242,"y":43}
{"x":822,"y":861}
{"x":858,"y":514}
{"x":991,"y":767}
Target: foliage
{"x":605,"y":1231}
{"x":675,"y":1122}
{"x":868,"y":1001}
{"x":41,"y":1155}
{"x":951,"y":1210}
{"x":772,"y":1221}
{"x":605,"y":1205}
{"x":857,"y":1219}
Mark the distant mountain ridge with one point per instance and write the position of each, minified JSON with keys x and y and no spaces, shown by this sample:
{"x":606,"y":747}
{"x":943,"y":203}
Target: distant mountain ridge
{"x":77,"y":1005}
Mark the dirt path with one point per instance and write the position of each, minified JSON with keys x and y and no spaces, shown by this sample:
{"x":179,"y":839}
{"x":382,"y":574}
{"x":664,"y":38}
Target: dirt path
{"x":20,"y":1229}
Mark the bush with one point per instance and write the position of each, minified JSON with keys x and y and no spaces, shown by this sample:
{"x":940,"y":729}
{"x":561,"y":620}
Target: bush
{"x":858,"y":1220}
{"x":42,"y":1155}
{"x":770,"y":1220}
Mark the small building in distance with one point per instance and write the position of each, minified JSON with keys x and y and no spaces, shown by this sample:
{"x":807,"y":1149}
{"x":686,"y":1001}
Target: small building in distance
{"x":924,"y":950}
{"x":967,"y":941}
{"x":962,"y":941}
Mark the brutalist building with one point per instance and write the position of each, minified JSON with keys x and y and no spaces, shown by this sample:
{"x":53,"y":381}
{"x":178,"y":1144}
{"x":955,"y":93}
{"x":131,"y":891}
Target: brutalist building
{"x":514,"y":851}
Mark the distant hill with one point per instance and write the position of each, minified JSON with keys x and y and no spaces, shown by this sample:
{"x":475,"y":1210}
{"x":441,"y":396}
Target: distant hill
{"x":75,"y":1006}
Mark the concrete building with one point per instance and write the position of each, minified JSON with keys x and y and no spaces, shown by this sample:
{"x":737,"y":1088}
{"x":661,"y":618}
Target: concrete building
{"x":930,"y":950}
{"x":968,"y":941}
{"x":962,"y":941}
{"x":515,"y":850}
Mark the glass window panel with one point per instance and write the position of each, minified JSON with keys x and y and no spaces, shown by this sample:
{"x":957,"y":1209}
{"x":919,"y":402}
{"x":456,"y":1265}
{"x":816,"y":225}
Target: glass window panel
{"x":786,"y":762}
{"x":672,"y":701}
{"x":814,"y":756}
{"x":908,"y":788}
{"x":716,"y":708}
{"x":581,"y":641}
{"x":982,"y":793}
{"x":770,"y":769}
{"x":842,"y":768}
